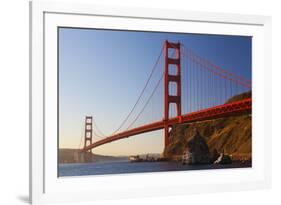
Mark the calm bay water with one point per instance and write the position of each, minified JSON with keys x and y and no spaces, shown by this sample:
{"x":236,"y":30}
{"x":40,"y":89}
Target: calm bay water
{"x":123,"y":167}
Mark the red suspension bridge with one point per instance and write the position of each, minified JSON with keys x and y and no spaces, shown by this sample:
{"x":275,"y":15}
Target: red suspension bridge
{"x":195,"y":89}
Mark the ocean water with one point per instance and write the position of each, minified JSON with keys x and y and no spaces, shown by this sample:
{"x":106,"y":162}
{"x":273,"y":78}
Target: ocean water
{"x":125,"y":167}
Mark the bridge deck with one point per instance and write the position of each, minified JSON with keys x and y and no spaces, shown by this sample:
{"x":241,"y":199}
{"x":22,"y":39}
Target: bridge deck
{"x":225,"y":110}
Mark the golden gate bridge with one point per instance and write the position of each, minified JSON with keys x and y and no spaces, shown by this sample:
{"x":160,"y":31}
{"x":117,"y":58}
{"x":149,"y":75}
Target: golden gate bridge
{"x":193,"y":89}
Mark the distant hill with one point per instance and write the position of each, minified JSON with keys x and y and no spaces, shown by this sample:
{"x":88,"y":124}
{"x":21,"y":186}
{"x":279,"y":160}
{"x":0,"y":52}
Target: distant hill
{"x":239,"y":97}
{"x":68,"y":156}
{"x":231,"y":135}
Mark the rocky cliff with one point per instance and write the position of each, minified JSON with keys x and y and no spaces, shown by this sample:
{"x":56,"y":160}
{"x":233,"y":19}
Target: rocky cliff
{"x":231,"y":135}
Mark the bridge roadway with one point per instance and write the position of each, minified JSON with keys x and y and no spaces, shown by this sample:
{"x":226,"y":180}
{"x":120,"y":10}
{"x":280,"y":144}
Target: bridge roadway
{"x":225,"y":110}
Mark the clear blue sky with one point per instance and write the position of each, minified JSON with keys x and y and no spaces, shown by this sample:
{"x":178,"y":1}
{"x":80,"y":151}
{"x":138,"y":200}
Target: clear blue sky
{"x":102,"y":72}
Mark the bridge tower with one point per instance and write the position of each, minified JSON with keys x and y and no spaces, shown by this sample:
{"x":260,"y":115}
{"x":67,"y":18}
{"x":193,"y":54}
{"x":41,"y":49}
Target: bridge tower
{"x":171,"y":98}
{"x":88,"y":137}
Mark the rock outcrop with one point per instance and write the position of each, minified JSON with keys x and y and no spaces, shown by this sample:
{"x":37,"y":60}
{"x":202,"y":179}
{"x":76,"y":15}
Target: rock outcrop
{"x":197,"y":149}
{"x":232,"y":136}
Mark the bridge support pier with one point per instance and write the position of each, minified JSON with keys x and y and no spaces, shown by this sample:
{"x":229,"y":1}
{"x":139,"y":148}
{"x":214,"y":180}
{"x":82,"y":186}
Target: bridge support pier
{"x":171,"y":98}
{"x":81,"y":157}
{"x":166,"y":134}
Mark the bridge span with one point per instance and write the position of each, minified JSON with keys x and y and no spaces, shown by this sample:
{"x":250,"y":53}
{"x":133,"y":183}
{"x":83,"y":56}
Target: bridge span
{"x":229,"y":109}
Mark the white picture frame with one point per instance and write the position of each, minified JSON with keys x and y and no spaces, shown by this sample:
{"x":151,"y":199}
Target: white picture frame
{"x":45,"y":186}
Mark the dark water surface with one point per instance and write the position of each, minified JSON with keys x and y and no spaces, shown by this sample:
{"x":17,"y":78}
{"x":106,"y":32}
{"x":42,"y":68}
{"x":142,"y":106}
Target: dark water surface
{"x":123,"y":167}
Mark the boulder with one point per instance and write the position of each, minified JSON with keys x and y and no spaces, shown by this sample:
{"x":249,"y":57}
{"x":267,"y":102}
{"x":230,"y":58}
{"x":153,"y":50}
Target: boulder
{"x":187,"y":157}
{"x":198,"y":150}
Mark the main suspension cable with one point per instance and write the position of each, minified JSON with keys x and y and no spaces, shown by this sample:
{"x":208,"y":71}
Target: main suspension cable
{"x":141,"y":94}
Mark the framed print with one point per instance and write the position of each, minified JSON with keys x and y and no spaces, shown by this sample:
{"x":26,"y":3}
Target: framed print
{"x":127,"y":102}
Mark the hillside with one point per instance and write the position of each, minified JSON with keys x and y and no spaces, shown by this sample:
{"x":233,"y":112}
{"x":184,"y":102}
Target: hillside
{"x":240,"y":97}
{"x":68,"y":156}
{"x":232,"y":135}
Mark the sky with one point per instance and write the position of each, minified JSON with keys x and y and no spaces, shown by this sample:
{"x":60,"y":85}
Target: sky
{"x":102,"y":72}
